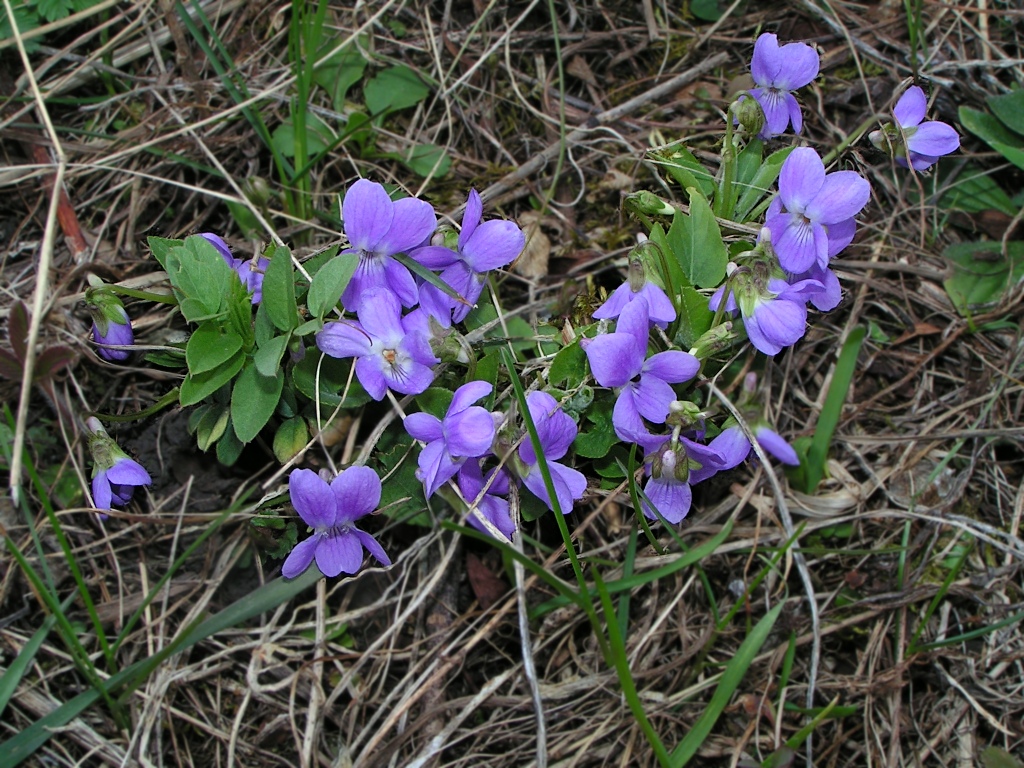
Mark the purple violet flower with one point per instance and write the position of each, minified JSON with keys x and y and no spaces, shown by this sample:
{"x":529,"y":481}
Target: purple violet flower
{"x":659,"y":306}
{"x":815,"y":209}
{"x":331,"y":511}
{"x":734,"y":446}
{"x":911,"y":140}
{"x":482,"y":246}
{"x":112,"y":326}
{"x":249,"y":273}
{"x":774,"y":315}
{"x":466,"y":431}
{"x":778,"y":70}
{"x":495,"y":508}
{"x":556,"y":431}
{"x":114,"y":476}
{"x":674,"y":466}
{"x":616,"y":359}
{"x":388,"y":351}
{"x":377,"y":228}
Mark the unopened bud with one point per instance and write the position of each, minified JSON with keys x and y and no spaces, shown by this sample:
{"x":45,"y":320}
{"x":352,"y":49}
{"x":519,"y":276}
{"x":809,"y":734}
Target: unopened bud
{"x":649,"y":203}
{"x":258,"y":191}
{"x":748,"y":114}
{"x":714,"y":340}
{"x":684,"y":414}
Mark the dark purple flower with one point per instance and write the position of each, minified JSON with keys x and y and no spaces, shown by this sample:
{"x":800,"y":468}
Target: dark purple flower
{"x":778,"y":70}
{"x":249,"y":273}
{"x":616,"y":359}
{"x":331,"y":511}
{"x":482,"y":246}
{"x":111,"y":327}
{"x":388,"y":351}
{"x":466,"y":431}
{"x":815,"y":208}
{"x":377,"y":228}
{"x":491,"y":504}
{"x":556,"y":431}
{"x":919,"y":143}
{"x":114,"y":476}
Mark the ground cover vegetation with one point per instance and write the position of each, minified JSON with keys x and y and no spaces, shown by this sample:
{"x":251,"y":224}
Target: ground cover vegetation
{"x":549,"y":384}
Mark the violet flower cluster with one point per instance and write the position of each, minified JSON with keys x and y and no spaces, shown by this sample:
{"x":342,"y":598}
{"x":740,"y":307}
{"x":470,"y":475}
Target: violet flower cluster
{"x":394,"y":350}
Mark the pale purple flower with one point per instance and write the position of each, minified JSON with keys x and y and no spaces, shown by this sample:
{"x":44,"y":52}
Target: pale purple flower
{"x":556,"y":431}
{"x":482,"y":246}
{"x":111,"y":326}
{"x":734,"y":446}
{"x":331,"y":511}
{"x":815,"y":208}
{"x":249,"y":273}
{"x":919,"y":143}
{"x":377,"y":228}
{"x":673,"y":466}
{"x":659,"y":306}
{"x":389,"y":352}
{"x":774,"y":316}
{"x":466,"y":431}
{"x":777,"y":71}
{"x":493,"y":507}
{"x":620,"y":360}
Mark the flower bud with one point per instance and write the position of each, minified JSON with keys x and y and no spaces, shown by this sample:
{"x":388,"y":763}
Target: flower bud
{"x":684,"y":414}
{"x":714,"y":340}
{"x":748,"y":114}
{"x":649,"y":203}
{"x":110,"y":322}
{"x":258,"y":191}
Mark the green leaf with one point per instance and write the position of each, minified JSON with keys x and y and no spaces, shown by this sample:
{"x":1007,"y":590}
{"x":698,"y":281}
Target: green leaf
{"x":727,"y":685}
{"x":210,"y":347}
{"x":695,"y":317}
{"x":200,"y":277}
{"x":994,"y":757}
{"x":759,"y":185}
{"x":427,"y":160}
{"x":339,"y":73}
{"x":394,"y":89}
{"x":199,"y":386}
{"x":268,"y":357}
{"x":334,"y":375}
{"x":253,"y":400}
{"x":975,"y":191}
{"x":696,"y":242}
{"x":329,"y":282}
{"x":160,"y":247}
{"x":669,"y":262}
{"x":319,"y":136}
{"x":595,"y":442}
{"x":1009,"y":108}
{"x":682,"y":166}
{"x":211,"y":426}
{"x":707,"y":10}
{"x":569,"y":366}
{"x":980,"y":275}
{"x":995,"y":134}
{"x":229,"y":447}
{"x":279,"y":290}
{"x":402,"y":490}
{"x":53,"y":10}
{"x":290,"y":438}
{"x":435,"y":401}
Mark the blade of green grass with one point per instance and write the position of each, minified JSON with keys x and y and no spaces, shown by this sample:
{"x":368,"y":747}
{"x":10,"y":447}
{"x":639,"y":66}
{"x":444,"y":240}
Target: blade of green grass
{"x":727,"y":685}
{"x":265,"y":599}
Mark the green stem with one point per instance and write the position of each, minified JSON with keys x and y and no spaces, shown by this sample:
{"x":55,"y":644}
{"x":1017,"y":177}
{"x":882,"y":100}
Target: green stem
{"x":853,"y":138}
{"x":723,"y":205}
{"x":159,"y":298}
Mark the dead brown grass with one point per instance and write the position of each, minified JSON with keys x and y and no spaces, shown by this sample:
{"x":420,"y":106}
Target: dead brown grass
{"x":424,"y":674}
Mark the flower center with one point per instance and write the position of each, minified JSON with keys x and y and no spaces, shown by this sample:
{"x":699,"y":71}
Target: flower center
{"x":390,"y":356}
